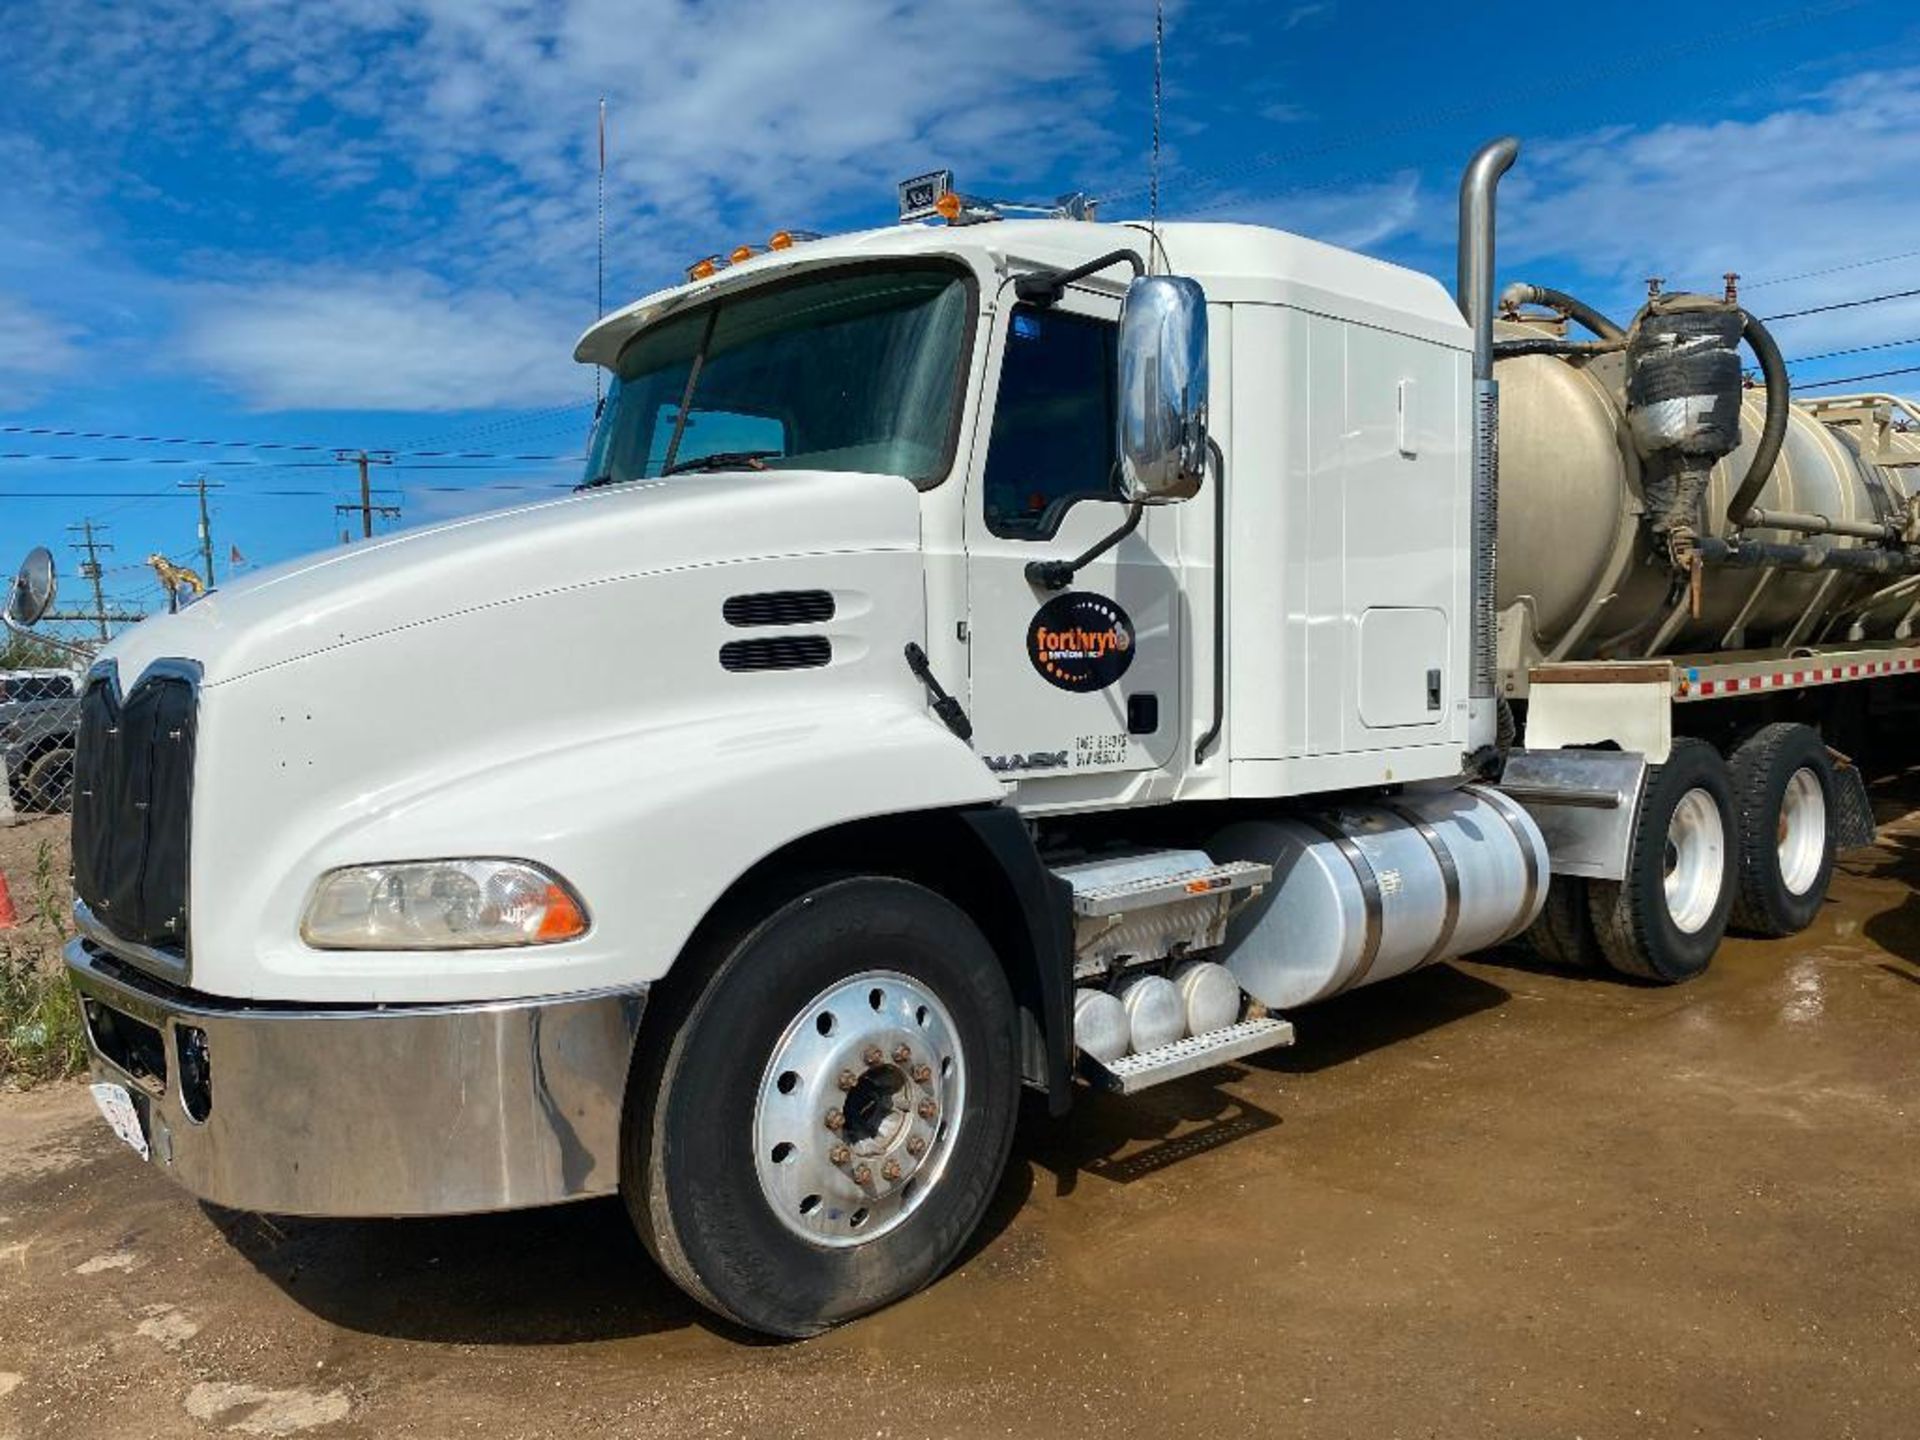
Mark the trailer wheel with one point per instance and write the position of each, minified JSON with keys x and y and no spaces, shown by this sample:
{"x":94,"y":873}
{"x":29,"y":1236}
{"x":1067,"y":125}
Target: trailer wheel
{"x":1784,"y":793}
{"x":825,"y":1123}
{"x":1563,"y":932}
{"x":1666,"y":918}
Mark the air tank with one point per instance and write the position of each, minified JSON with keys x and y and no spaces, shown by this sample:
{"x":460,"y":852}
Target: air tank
{"x":1577,"y":577}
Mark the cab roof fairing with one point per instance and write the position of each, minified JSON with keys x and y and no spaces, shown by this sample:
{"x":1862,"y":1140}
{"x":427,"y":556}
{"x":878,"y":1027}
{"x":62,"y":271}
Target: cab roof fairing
{"x":1232,"y":262}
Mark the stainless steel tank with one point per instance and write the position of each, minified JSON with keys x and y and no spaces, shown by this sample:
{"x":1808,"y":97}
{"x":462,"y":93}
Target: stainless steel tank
{"x":1577,"y":578}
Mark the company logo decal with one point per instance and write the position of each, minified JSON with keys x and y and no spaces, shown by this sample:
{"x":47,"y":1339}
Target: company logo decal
{"x":1080,"y":641}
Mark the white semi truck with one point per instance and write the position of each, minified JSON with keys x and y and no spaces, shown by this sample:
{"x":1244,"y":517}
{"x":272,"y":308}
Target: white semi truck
{"x":982,"y":654}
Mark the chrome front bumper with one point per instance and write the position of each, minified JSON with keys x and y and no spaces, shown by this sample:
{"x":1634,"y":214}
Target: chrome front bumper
{"x":399,"y":1110}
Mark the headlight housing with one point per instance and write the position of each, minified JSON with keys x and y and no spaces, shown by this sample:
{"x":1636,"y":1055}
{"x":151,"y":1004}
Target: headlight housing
{"x":441,"y":905}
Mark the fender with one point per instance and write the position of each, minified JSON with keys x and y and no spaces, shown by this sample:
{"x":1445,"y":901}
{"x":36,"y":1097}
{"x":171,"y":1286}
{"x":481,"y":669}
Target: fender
{"x":650,"y":826}
{"x":1046,"y":907}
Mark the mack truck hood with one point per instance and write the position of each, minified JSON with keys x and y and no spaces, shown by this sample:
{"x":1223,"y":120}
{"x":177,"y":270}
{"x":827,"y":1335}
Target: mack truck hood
{"x":506,"y":557}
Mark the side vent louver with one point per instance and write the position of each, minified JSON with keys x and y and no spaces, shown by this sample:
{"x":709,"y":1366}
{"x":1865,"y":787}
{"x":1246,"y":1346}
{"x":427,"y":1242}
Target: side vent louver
{"x":783,"y":652}
{"x":778,"y":607}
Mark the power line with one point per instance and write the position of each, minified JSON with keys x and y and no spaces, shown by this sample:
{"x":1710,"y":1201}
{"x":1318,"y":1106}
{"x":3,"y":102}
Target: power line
{"x":1852,"y":350}
{"x":54,"y":433}
{"x":63,"y":459}
{"x":264,"y":494}
{"x":1828,"y":270}
{"x":1842,"y":305}
{"x":1855,"y":379}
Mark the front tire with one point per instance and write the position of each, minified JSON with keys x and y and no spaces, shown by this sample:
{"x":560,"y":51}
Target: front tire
{"x":1665,"y":919}
{"x":1785,"y":792}
{"x":823,"y":1122}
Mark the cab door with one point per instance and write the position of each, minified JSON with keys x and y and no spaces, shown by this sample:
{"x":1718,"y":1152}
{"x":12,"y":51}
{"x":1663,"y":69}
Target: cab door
{"x":1085,"y":679}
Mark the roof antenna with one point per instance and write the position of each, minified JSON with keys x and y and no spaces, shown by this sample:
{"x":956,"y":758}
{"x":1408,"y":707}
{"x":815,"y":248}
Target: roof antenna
{"x":1153,"y":171}
{"x":600,"y":244}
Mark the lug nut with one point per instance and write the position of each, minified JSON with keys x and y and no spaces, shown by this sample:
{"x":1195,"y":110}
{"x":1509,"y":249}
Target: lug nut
{"x":890,"y":1170}
{"x":901,"y":1054}
{"x":922,"y":1074}
{"x":872,"y":1056}
{"x":916,"y":1145}
{"x":836,"y":1121}
{"x":839,"y":1155}
{"x":928,"y":1109}
{"x":848,"y":1080}
{"x":862,"y":1175}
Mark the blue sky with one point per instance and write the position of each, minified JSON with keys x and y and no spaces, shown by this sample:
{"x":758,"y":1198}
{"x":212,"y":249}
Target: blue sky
{"x":370,"y":223}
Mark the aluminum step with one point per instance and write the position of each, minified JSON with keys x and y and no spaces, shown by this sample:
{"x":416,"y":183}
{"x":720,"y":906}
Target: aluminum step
{"x":1128,"y":892}
{"x":1134,"y":1073}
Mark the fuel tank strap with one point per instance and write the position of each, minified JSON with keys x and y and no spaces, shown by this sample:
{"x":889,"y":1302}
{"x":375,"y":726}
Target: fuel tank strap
{"x":1449,"y":875}
{"x":1369,"y":891}
{"x":1518,"y":823}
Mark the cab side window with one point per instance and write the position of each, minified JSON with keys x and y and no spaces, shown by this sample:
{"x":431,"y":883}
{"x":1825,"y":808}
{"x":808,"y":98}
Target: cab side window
{"x":1053,"y":422}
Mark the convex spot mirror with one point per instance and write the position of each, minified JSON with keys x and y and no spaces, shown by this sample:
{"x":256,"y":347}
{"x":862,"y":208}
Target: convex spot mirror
{"x":1163,"y":389}
{"x":32,"y":593}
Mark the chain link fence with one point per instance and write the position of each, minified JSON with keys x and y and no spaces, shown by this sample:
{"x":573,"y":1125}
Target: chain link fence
{"x":39,"y":720}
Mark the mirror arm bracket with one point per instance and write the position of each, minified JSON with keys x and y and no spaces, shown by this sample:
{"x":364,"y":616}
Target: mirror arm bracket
{"x":1043,"y":287}
{"x":1058,"y":574}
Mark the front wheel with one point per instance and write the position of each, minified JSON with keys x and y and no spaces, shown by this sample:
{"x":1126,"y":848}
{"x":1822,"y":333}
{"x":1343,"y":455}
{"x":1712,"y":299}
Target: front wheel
{"x":825,"y":1122}
{"x":1666,"y":917}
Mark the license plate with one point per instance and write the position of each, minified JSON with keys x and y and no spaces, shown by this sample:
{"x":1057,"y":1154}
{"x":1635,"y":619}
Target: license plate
{"x":116,"y":1106}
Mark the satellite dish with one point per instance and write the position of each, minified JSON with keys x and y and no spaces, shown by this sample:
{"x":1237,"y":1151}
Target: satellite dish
{"x":33,"y":588}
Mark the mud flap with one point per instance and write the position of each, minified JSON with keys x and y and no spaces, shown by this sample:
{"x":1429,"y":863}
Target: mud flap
{"x":1853,"y":824}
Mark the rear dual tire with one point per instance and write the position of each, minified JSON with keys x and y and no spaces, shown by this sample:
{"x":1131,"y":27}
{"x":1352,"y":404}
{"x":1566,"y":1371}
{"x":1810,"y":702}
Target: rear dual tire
{"x":1666,"y":916}
{"x":1785,"y":792}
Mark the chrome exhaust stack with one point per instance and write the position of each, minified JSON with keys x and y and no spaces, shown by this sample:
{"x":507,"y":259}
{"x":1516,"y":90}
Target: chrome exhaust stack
{"x":1474,"y":294}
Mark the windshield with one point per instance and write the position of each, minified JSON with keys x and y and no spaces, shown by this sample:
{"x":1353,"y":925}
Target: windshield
{"x":851,"y":371}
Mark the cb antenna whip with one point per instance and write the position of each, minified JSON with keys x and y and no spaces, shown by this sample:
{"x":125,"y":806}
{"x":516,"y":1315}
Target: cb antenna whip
{"x":600,"y":243}
{"x":1153,"y":166}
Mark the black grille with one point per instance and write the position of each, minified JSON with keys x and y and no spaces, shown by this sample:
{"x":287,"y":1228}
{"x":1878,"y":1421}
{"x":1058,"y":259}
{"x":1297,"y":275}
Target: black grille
{"x":786,"y":652}
{"x":133,"y":784}
{"x":779,"y":607}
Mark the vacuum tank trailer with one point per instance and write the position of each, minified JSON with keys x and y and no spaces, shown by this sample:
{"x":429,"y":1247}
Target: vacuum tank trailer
{"x":981,"y":654}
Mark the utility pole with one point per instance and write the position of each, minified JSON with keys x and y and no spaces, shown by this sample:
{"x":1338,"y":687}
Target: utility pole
{"x":367,"y":508}
{"x":202,"y":484}
{"x":90,"y":570}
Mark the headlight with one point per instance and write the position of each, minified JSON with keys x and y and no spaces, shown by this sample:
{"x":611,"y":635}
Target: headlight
{"x":441,"y":905}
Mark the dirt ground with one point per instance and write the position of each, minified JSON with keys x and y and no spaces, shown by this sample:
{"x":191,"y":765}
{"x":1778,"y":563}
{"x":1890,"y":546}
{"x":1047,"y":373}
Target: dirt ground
{"x":1485,"y":1200}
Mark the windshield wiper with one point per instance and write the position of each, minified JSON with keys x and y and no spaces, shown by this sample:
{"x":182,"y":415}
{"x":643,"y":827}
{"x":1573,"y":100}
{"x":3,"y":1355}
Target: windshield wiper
{"x":723,"y":460}
{"x":605,"y":477}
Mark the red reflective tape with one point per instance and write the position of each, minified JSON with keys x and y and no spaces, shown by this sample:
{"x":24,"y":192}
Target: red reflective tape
{"x":1778,"y":678}
{"x":1706,"y":687}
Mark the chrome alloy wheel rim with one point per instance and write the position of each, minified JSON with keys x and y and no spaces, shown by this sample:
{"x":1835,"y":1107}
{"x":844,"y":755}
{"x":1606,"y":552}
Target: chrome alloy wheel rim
{"x":1803,"y":831}
{"x":858,"y":1109}
{"x":1696,"y":857}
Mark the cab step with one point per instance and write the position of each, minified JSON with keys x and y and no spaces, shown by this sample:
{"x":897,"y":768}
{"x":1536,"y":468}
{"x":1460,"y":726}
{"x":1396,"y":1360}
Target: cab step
{"x":1116,"y":887}
{"x":1147,"y":1068}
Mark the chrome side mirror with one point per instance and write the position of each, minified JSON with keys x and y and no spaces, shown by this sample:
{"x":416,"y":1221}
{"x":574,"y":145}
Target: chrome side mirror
{"x":1163,"y":389}
{"x":32,"y":593}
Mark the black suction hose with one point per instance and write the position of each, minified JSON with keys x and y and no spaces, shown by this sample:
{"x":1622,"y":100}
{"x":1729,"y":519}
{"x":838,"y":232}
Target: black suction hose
{"x":1773,"y":369}
{"x":1520,"y":293}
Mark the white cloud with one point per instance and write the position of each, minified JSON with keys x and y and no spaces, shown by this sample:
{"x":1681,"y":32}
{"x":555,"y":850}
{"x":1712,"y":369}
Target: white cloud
{"x":1806,"y":187}
{"x":1363,"y":216}
{"x":400,"y":340}
{"x":34,"y":349}
{"x":452,"y":145}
